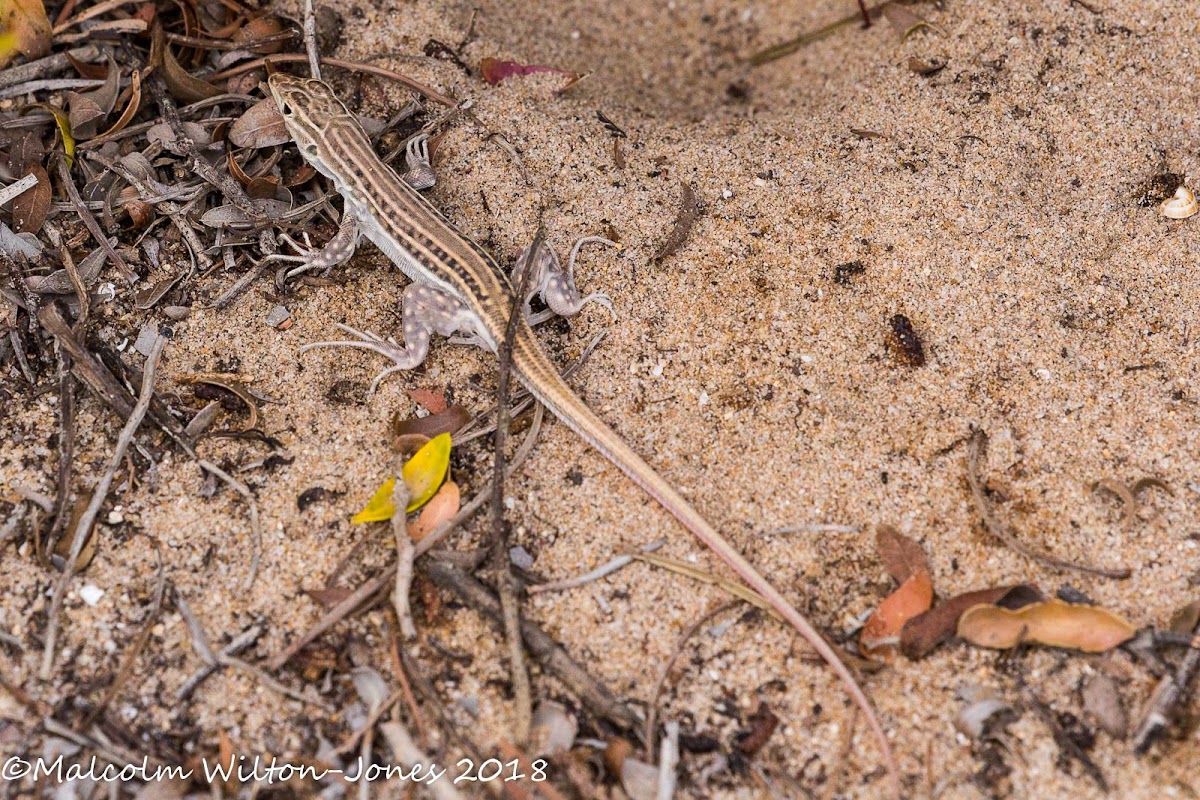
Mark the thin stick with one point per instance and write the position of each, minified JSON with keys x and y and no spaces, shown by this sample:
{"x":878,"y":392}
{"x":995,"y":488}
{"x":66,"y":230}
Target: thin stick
{"x":353,"y":66}
{"x":505,"y":583}
{"x":404,"y":561}
{"x":975,"y":451}
{"x":668,"y":762}
{"x":88,"y":519}
{"x":593,"y":694}
{"x":310,"y":40}
{"x":368,"y":589}
{"x":665,"y":672}
{"x":599,"y":572}
{"x":89,"y":222}
{"x":1168,"y":697}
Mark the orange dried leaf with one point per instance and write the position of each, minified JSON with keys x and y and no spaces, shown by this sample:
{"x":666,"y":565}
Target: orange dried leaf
{"x":881,"y":634}
{"x":1053,"y":623}
{"x":24,"y":30}
{"x":444,"y":505}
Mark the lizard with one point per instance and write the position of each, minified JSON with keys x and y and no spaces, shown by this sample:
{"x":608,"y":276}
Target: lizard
{"x":458,"y":287}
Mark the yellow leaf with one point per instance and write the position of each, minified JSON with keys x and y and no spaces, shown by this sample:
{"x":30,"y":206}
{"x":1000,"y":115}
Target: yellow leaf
{"x":422,"y":474}
{"x":24,"y":29}
{"x":380,"y":505}
{"x":62,"y":120}
{"x":425,"y":471}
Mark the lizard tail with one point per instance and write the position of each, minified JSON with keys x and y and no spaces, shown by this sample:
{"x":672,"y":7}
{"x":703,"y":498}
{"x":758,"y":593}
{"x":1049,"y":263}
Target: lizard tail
{"x":542,"y":379}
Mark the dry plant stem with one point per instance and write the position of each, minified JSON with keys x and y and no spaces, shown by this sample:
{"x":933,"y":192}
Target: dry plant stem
{"x":89,"y":222}
{"x":407,"y":753}
{"x":1169,"y":697}
{"x":406,"y":686}
{"x":45,"y":67}
{"x":310,"y":40}
{"x":668,"y":762}
{"x":548,"y":653}
{"x":88,"y":518}
{"x":204,"y":650}
{"x":404,"y":561}
{"x":66,"y":447}
{"x":352,"y":66}
{"x":665,"y":672}
{"x":974,"y":453}
{"x":599,"y":572}
{"x":240,"y":643}
{"x":368,"y":589}
{"x":505,"y":583}
{"x":778,"y":51}
{"x":168,"y":207}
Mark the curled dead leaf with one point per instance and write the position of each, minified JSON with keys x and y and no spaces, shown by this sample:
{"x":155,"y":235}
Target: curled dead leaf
{"x":442,"y":508}
{"x":448,"y":421}
{"x":1052,"y":623}
{"x":881,"y":635}
{"x":924,"y":632}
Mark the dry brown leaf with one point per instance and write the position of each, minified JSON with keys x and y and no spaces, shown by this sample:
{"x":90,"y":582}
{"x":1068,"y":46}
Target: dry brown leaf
{"x":881,"y":634}
{"x":30,"y":207}
{"x":901,"y":556}
{"x":1185,"y":619}
{"x":926,"y":631}
{"x":447,"y":421}
{"x":1053,"y":623}
{"x":184,"y":86}
{"x":24,"y":29}
{"x":444,"y":505}
{"x":260,"y":28}
{"x":261,"y":125}
{"x":763,"y":723}
{"x":432,"y":399}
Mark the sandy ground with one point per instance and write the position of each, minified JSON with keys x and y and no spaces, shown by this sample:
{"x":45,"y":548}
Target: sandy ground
{"x":996,"y":209}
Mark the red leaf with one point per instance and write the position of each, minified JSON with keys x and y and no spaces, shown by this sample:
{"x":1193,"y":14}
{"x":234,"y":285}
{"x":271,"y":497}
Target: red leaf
{"x":495,"y":70}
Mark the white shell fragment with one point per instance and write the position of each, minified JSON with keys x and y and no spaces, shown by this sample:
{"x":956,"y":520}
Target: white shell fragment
{"x":1181,"y":206}
{"x":90,"y":594}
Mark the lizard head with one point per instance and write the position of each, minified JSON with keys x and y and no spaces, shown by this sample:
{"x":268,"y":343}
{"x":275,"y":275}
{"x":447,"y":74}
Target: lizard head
{"x":308,"y":106}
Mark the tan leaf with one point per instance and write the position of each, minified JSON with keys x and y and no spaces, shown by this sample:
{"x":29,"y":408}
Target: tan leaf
{"x":1053,"y":623}
{"x":881,"y":635}
{"x":24,"y":30}
{"x":261,"y":125}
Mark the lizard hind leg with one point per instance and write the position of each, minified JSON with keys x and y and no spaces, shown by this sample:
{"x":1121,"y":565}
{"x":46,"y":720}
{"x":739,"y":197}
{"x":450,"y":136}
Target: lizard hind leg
{"x":418,"y":169}
{"x":557,"y":285}
{"x":425,"y":311}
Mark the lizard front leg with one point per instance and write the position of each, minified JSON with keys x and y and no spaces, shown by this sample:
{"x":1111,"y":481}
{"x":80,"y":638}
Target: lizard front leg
{"x":556,"y":285}
{"x":425,"y":310}
{"x":338,"y":250}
